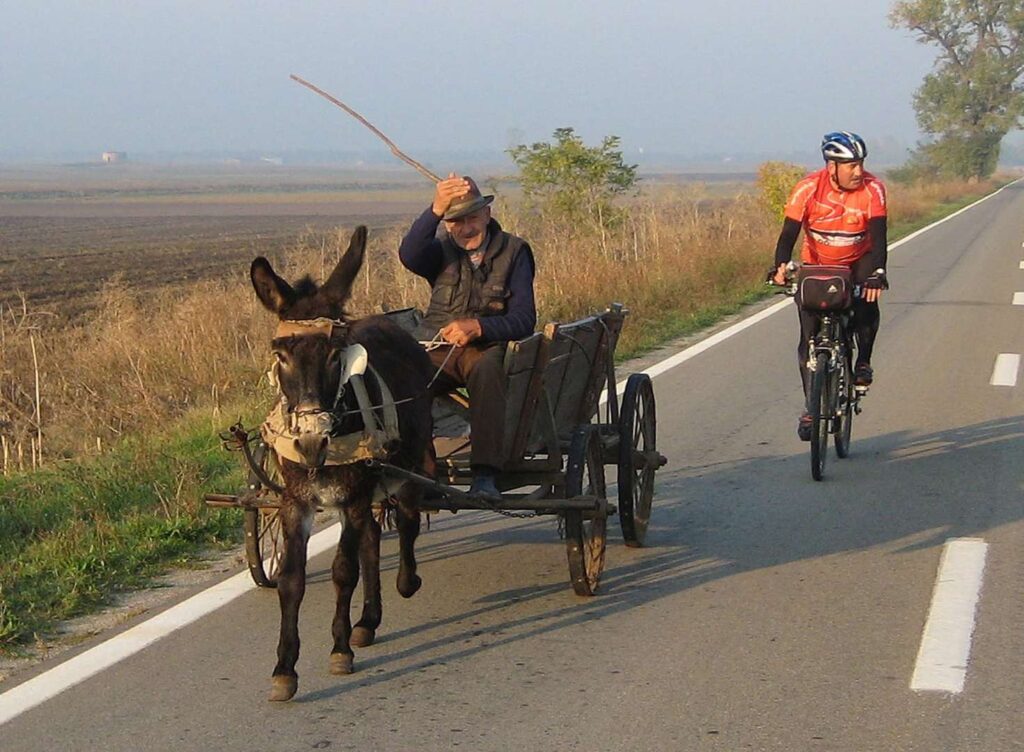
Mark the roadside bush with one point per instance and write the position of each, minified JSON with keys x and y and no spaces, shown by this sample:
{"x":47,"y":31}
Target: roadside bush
{"x":775,"y":180}
{"x":575,"y":183}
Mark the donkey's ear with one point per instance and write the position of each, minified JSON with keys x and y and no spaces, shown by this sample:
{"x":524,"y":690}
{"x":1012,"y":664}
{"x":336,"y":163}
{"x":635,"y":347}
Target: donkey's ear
{"x":339,"y":284}
{"x":275,"y":294}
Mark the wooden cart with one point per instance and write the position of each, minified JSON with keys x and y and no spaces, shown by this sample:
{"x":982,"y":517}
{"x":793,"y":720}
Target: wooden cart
{"x":564,"y":424}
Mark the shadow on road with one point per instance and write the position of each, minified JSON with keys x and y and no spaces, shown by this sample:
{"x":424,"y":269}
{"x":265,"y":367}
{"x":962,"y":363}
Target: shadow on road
{"x":900,"y":491}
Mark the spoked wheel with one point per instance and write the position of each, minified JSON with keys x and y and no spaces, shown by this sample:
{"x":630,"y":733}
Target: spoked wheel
{"x":585,"y":532}
{"x":264,"y":538}
{"x":820,"y":414}
{"x":637,"y":445}
{"x":844,"y":410}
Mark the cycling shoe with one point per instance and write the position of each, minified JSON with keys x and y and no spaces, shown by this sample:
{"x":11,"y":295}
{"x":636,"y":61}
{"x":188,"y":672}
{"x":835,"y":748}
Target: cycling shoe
{"x":803,"y":428}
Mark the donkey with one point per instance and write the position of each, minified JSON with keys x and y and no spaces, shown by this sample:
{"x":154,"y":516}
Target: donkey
{"x":310,"y":346}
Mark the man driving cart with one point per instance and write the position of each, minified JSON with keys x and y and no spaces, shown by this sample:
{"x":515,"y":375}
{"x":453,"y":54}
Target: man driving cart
{"x":481,"y":281}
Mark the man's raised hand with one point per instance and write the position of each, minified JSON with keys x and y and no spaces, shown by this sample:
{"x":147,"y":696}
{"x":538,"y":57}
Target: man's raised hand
{"x":451,"y":188}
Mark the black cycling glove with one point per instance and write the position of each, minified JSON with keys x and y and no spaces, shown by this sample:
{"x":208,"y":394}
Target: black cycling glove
{"x":877,"y":281}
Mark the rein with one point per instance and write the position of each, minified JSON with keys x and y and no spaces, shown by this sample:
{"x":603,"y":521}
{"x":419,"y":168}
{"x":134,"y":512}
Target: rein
{"x":303,"y":327}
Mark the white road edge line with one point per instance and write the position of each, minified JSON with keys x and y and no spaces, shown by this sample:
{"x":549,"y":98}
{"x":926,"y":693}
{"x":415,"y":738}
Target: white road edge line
{"x":1004,"y":373}
{"x":946,"y":643}
{"x":49,"y":684}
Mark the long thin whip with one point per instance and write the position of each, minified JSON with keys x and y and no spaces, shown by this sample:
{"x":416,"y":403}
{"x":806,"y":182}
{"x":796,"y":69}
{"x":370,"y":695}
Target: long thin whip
{"x":394,"y":149}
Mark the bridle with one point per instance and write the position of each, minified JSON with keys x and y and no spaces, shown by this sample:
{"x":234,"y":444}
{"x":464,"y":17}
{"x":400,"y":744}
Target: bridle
{"x":302,"y":328}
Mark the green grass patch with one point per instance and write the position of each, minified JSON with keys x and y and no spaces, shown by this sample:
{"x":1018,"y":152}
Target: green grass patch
{"x":73,"y":536}
{"x":657,"y":330}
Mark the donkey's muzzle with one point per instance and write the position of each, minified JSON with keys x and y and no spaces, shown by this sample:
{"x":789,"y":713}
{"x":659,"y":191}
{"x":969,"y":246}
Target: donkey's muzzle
{"x":311,"y":429}
{"x":312,"y":448}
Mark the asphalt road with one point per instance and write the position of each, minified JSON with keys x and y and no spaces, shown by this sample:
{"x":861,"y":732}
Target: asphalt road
{"x":768,"y":611}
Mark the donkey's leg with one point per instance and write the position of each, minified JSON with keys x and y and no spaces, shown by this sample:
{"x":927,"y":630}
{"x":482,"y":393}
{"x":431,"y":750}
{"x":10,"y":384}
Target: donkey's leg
{"x":408,"y":521}
{"x":365,"y":629}
{"x":296,"y":523}
{"x":345,"y":574}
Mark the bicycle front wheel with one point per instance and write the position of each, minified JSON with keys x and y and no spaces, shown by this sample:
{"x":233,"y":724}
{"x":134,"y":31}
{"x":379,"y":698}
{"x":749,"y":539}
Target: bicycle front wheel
{"x":844,"y":410}
{"x":818,"y":404}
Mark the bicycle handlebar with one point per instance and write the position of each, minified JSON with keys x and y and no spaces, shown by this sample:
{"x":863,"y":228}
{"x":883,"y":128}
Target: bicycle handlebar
{"x":789,"y":288}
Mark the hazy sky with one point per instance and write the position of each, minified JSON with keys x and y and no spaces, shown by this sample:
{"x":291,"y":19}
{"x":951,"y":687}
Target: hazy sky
{"x":678,"y":76}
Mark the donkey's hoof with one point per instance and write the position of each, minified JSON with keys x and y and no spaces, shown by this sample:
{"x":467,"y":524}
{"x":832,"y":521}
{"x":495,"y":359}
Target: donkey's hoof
{"x":341,"y":664}
{"x":283,"y":688}
{"x":407,"y":586}
{"x":361,"y":637}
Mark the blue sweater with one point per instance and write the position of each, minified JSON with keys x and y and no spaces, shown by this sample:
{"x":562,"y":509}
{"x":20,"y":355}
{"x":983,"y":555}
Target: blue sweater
{"x":421,"y":254}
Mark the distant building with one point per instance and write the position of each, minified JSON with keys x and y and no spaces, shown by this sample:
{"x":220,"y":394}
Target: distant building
{"x":114,"y":156}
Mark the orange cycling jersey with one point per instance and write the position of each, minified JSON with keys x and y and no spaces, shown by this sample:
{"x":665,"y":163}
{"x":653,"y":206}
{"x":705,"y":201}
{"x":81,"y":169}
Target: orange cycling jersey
{"x":835,"y":222}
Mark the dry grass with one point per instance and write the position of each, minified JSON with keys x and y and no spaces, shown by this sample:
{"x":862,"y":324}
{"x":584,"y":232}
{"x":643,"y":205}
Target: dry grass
{"x":909,"y":204}
{"x":143,"y":359}
{"x":674,"y":253}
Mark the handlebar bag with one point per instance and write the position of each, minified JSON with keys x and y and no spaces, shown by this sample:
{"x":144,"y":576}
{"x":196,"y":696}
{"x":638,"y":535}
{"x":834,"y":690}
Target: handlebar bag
{"x":825,"y":288}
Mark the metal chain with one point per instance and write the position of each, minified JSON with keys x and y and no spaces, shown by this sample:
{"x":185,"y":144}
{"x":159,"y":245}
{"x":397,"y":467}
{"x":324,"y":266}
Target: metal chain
{"x":517,"y":515}
{"x":507,"y":513}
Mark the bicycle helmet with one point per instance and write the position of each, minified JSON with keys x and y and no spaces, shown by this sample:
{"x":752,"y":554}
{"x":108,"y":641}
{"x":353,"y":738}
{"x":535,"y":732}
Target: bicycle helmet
{"x":843,"y":146}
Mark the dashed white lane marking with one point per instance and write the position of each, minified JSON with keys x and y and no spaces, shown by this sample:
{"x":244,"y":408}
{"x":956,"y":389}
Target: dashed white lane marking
{"x":41,"y":688}
{"x":51,"y":683}
{"x":946,"y":644}
{"x":1022,"y":264}
{"x":1004,"y":373}
{"x":1018,"y":298}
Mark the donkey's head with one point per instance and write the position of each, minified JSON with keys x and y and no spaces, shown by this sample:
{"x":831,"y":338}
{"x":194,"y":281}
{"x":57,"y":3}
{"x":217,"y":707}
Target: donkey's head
{"x":309,"y":347}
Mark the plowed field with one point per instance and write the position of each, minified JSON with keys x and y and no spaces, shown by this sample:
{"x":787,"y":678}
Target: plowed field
{"x":63,"y":235}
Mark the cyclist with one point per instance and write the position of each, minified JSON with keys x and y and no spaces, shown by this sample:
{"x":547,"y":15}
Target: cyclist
{"x":842,"y":211}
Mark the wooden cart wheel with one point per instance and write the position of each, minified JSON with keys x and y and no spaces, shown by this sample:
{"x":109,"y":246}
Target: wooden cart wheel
{"x":637,"y":444}
{"x":585,"y":532}
{"x":264,"y":538}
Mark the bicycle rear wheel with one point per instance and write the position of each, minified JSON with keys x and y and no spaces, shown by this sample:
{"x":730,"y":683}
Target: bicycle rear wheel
{"x":844,"y":410}
{"x":819,"y":408}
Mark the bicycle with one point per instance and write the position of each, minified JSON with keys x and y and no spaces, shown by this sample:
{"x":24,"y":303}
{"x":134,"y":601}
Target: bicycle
{"x":833,"y":398}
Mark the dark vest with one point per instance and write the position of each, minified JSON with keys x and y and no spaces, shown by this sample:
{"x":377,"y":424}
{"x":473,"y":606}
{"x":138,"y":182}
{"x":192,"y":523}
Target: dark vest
{"x":460,"y":291}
